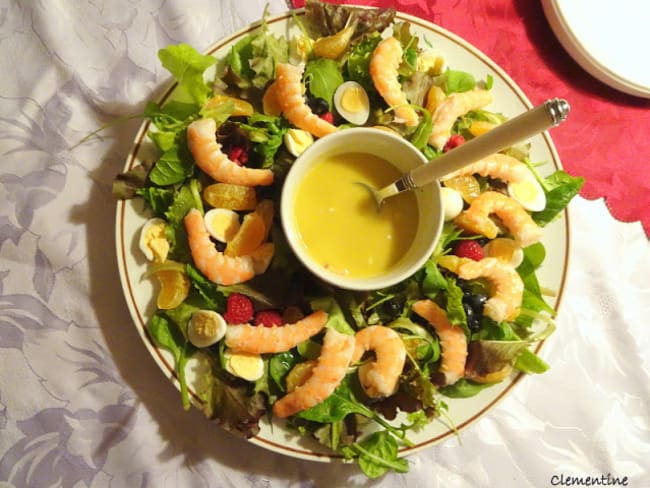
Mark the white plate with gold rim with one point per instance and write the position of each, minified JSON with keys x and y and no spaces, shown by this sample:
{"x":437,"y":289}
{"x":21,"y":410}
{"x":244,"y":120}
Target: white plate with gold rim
{"x":508,"y":99}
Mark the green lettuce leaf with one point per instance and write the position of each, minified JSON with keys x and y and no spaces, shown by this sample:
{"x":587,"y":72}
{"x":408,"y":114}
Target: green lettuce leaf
{"x":158,"y":199}
{"x":171,"y":168}
{"x":458,"y":81}
{"x":358,"y":62}
{"x":187,"y":65}
{"x":167,"y":334}
{"x":335,"y":317}
{"x":252,"y":60}
{"x":560,"y":188}
{"x":322,"y":77}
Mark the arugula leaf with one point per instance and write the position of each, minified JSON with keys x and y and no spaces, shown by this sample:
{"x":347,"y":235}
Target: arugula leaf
{"x":464,"y":388}
{"x":188,"y":65}
{"x":377,"y":454}
{"x":322,"y":77}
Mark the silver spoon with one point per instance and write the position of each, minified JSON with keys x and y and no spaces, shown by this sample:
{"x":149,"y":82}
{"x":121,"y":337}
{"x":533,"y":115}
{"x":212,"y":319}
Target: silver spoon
{"x":547,"y":115}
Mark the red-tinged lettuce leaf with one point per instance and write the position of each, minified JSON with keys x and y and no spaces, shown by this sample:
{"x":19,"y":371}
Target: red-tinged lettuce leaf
{"x":325,"y":19}
{"x":234,"y":407}
{"x":126,"y":184}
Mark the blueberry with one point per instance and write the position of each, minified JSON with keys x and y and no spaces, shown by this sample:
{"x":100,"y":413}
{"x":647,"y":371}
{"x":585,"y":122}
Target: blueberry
{"x":476,"y":302}
{"x":318,"y":106}
{"x":469,"y":312}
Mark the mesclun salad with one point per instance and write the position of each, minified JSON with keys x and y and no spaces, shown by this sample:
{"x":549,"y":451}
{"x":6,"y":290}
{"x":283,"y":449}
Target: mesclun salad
{"x":357,"y":371}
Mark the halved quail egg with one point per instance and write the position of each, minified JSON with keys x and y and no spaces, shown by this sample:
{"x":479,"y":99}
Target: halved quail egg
{"x":222,"y":223}
{"x":153,"y":243}
{"x":352,"y":103}
{"x":205,"y":328}
{"x":529,"y":193}
{"x":297,"y":140}
{"x":452,"y":202}
{"x":249,"y":367}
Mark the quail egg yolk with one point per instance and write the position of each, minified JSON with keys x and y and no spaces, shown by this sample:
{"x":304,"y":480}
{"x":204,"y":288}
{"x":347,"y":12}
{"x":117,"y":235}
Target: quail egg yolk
{"x":529,"y":194}
{"x":153,"y":243}
{"x":352,"y":99}
{"x":205,"y":328}
{"x":222,"y":223}
{"x":249,"y":367}
{"x":351,"y":102}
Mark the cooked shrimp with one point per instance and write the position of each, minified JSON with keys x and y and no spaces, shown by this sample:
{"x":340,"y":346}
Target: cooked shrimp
{"x":379,"y":378}
{"x":216,"y":266}
{"x":288,"y":92}
{"x":507,"y":288}
{"x":499,"y":166}
{"x":330,"y":369}
{"x":202,"y":141}
{"x":453,"y":343}
{"x":253,"y":339}
{"x":384,"y":63}
{"x":452,"y":107}
{"x":513,"y":216}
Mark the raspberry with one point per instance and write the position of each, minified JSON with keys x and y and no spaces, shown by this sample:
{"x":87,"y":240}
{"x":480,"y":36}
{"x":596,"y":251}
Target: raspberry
{"x":268,"y":318}
{"x":238,"y":154}
{"x":454,"y":141}
{"x":239,"y":309}
{"x":469,"y":249}
{"x":327,"y":117}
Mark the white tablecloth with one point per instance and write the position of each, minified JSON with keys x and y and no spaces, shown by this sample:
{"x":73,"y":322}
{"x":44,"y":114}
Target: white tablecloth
{"x":81,"y":401}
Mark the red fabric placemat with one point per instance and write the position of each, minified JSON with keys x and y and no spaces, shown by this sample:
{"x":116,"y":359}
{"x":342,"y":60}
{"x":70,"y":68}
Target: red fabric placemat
{"x":606,"y":137}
